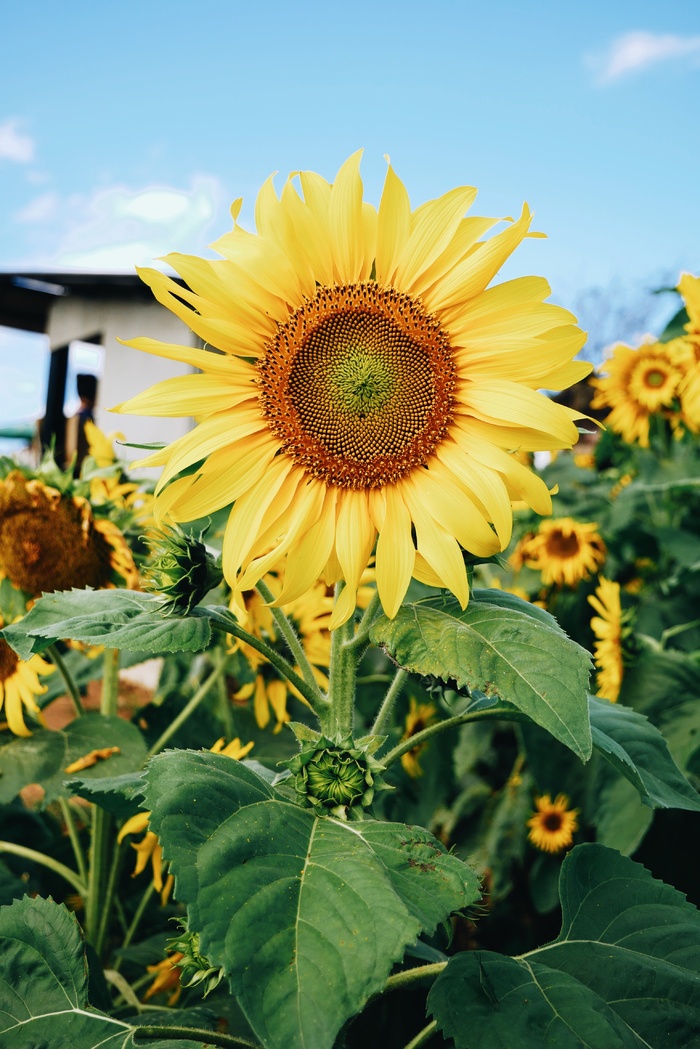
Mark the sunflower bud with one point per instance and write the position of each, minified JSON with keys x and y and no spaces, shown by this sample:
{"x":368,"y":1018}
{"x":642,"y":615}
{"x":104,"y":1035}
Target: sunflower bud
{"x":337,"y":777}
{"x":181,"y":569}
{"x":196,"y":969}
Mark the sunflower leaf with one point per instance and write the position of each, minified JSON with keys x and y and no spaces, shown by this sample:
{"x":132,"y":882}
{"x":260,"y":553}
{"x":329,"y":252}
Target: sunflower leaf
{"x":501,"y":646}
{"x":44,"y":756}
{"x":640,"y":753}
{"x":623,"y":972}
{"x":117,"y":618}
{"x":44,"y":984}
{"x":306,"y":914}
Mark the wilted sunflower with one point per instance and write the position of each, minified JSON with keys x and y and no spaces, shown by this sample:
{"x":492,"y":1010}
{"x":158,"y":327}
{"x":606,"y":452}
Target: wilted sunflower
{"x":553,"y":825}
{"x":368,"y":387}
{"x":19,"y":685}
{"x":610,"y":627}
{"x":563,"y":550}
{"x":51,"y":541}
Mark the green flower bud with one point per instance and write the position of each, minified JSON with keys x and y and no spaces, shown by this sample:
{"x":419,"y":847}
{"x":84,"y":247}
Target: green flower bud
{"x":336,"y":777}
{"x":196,"y":969}
{"x":180,"y":569}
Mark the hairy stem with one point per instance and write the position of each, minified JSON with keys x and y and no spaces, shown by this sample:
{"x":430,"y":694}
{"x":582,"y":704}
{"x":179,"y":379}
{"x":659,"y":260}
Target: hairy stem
{"x":341,"y":676}
{"x":46,"y":861}
{"x":72,"y":829}
{"x":117,"y":856}
{"x":186,"y":711}
{"x":71,"y":687}
{"x":392,"y":694}
{"x":289,"y":634}
{"x":423,"y":1036}
{"x":369,"y":615}
{"x":414,"y":975}
{"x":444,"y":726}
{"x":194,"y":1034}
{"x":110,"y":682}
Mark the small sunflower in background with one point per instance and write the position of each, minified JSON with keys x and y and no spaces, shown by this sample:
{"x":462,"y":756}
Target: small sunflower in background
{"x":553,"y":825}
{"x":19,"y":686}
{"x":369,"y":390}
{"x":611,"y":628}
{"x":419,"y":716}
{"x":50,"y":539}
{"x":565,"y":551}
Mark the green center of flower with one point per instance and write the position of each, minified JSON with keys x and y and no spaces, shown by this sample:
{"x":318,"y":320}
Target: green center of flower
{"x":335,"y":778}
{"x":357,"y":385}
{"x":655,"y":378}
{"x":362,"y":383}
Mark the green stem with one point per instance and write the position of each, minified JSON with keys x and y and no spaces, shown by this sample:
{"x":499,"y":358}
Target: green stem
{"x":223,"y":618}
{"x":390,"y":698}
{"x":289,"y":634}
{"x":673,"y":631}
{"x":194,"y":1034}
{"x":101,"y":827}
{"x":46,"y":861}
{"x":186,"y":711}
{"x":341,"y":676}
{"x":369,"y":615}
{"x":423,"y":1036}
{"x":138,"y":915}
{"x":409,"y":976}
{"x":74,"y":839}
{"x":110,"y":683}
{"x":444,"y":726}
{"x":223,"y":704}
{"x":71,"y":687}
{"x":117,"y":856}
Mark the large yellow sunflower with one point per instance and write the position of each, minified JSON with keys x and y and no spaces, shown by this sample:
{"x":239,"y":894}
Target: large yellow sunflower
{"x":368,"y":387}
{"x":51,"y":541}
{"x":20,"y":685}
{"x":563,"y":550}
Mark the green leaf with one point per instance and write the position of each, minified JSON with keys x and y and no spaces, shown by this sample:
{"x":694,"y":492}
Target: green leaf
{"x":624,"y":971}
{"x":502,"y":646}
{"x":640,"y":753}
{"x":44,"y":985}
{"x":44,"y":756}
{"x":306,"y":914}
{"x":116,"y":618}
{"x":118,"y":795}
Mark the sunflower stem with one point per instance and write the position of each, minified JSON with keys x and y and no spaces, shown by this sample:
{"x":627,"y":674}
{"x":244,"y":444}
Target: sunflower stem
{"x":392,"y":694}
{"x":46,"y":861}
{"x":136,"y":920}
{"x":409,"y":976}
{"x":195,"y":1034}
{"x":369,"y":615}
{"x":342,"y":675}
{"x":72,"y":829}
{"x":71,"y":687}
{"x":117,"y":856}
{"x":216,"y":674}
{"x":110,"y":682}
{"x":423,"y":1036}
{"x":101,"y":826}
{"x":313,"y":695}
{"x":288,"y":632}
{"x":444,"y":726}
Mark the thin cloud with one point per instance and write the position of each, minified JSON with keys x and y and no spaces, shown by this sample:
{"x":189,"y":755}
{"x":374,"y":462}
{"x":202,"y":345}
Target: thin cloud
{"x":638,"y":50}
{"x":14,"y":145}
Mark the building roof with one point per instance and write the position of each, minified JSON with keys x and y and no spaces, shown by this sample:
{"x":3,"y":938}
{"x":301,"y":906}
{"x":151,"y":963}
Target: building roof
{"x":26,"y":296}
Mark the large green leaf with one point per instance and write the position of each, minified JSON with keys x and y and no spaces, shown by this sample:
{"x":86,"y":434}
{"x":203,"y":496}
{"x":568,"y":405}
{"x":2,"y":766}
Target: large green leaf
{"x":306,"y":914}
{"x":665,"y":685}
{"x":44,"y":756}
{"x":116,"y":618}
{"x":635,"y":748}
{"x":502,"y":646}
{"x":623,"y":973}
{"x":44,"y":985}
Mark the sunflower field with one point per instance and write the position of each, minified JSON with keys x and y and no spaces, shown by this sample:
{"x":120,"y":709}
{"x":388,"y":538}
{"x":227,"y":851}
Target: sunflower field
{"x":372,"y":716}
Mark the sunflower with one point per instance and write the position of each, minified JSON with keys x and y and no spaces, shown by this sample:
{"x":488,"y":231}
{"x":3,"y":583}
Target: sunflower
{"x":51,"y":541}
{"x":419,"y":716}
{"x":367,"y":388}
{"x":641,"y":383}
{"x":149,"y":848}
{"x":19,"y":685}
{"x":611,"y":628}
{"x":563,"y":550}
{"x":552,"y":827}
{"x":689,"y":289}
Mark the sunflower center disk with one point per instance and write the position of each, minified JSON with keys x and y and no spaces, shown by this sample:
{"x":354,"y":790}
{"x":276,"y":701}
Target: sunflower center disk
{"x":357,"y":385}
{"x":8,"y":660}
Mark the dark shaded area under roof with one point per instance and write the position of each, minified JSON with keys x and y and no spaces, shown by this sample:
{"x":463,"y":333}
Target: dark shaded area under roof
{"x":26,"y":296}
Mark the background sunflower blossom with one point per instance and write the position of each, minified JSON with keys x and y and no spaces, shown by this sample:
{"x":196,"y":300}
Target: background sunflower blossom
{"x":369,"y":389}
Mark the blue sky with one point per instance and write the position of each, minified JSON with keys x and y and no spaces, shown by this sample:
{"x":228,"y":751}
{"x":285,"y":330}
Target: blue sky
{"x":127,"y":128}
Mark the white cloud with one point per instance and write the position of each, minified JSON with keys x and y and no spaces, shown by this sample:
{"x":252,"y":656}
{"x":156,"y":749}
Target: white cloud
{"x":14,"y":145}
{"x":638,"y":50}
{"x":119,"y":227}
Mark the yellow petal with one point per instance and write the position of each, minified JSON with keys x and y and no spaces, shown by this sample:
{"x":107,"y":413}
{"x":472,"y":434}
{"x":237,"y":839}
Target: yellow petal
{"x":226,"y":475}
{"x":199,"y":395}
{"x":433,"y":226}
{"x":440,"y":550}
{"x":393,"y":226}
{"x":345,"y":221}
{"x":396,"y":554}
